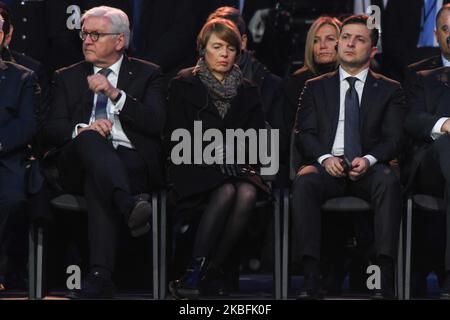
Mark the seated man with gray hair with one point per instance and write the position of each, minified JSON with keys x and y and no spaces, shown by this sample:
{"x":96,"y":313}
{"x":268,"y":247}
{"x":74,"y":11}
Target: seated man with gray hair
{"x":105,"y":119}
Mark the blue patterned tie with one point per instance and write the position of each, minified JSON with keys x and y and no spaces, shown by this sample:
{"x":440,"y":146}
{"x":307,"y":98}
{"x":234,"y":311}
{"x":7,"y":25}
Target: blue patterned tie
{"x":352,"y":139}
{"x":102,"y":100}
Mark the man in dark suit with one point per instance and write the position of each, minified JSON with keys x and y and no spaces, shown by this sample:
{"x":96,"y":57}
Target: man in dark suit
{"x":19,"y":97}
{"x":107,"y":115}
{"x":348,"y":127}
{"x":428,"y":125}
{"x":429,"y":231}
{"x":441,"y":34}
{"x":408,"y":33}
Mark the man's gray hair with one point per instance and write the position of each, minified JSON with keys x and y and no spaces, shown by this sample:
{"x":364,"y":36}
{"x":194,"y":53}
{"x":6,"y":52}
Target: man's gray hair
{"x":119,"y":20}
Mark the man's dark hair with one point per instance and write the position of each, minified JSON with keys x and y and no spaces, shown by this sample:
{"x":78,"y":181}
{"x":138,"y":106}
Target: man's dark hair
{"x":362,"y":19}
{"x":441,"y":10}
{"x":5,"y":13}
{"x":231,"y":14}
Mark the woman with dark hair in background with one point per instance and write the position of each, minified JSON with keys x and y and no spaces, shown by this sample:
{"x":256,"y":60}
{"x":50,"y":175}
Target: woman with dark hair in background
{"x":215,"y":93}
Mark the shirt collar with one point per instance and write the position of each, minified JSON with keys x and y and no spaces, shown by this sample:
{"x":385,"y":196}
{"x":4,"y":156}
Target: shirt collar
{"x":445,"y":62}
{"x":115,"y":68}
{"x":361,"y":75}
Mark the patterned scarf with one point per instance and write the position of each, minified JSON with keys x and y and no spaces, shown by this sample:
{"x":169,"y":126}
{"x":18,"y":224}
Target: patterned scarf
{"x":221,"y":93}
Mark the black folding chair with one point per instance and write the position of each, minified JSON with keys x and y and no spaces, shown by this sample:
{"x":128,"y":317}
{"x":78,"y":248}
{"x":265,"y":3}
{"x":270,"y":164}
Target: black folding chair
{"x":429,"y":204}
{"x":68,"y":202}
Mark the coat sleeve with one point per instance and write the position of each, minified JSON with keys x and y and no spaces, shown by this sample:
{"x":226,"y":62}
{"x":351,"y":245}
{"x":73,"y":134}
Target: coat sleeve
{"x":21,"y":130}
{"x":58,"y":128}
{"x":392,"y":135}
{"x":306,"y":126}
{"x":147,"y":116}
{"x":419,"y":121}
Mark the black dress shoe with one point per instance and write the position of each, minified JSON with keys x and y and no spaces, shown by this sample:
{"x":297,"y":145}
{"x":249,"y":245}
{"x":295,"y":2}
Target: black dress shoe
{"x":140,"y":216}
{"x":94,"y":286}
{"x":382,"y":295}
{"x":445,"y":291}
{"x":387,"y":291}
{"x":215,"y":282}
{"x":311,"y":289}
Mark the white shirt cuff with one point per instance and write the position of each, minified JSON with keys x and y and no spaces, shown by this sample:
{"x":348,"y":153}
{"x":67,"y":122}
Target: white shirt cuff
{"x":323,"y":158}
{"x":78,"y":126}
{"x":436,"y":131}
{"x":116,"y":108}
{"x":372,"y":159}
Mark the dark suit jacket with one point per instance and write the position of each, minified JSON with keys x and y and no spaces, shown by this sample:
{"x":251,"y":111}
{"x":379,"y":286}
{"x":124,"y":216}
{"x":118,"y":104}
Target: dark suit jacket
{"x":189,"y":102}
{"x":19,"y":99}
{"x":429,"y":101}
{"x":382,"y":112}
{"x":142,"y":116}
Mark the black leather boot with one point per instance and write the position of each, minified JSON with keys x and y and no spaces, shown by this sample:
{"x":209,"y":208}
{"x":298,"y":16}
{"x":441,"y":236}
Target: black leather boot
{"x":188,"y":286}
{"x":214,"y":282}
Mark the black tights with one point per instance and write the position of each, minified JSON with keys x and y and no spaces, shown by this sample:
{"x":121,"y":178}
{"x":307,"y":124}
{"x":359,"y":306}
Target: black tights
{"x":224,"y":220}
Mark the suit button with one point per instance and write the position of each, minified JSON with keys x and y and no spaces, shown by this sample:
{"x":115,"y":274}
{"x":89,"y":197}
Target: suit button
{"x":24,"y":37}
{"x":24,"y":19}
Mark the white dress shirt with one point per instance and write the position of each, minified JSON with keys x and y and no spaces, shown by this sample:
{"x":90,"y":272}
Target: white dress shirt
{"x":338,"y":145}
{"x":118,"y":136}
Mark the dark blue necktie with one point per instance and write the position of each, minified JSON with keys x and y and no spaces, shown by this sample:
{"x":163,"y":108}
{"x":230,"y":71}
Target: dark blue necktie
{"x":352,"y":138}
{"x":137,"y":14}
{"x":102,"y":100}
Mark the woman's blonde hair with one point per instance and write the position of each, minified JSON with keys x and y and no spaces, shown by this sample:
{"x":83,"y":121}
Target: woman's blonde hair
{"x":310,"y":64}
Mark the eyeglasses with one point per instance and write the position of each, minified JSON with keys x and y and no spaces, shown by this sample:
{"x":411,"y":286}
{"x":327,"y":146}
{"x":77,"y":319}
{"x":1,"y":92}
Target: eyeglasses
{"x":94,"y":35}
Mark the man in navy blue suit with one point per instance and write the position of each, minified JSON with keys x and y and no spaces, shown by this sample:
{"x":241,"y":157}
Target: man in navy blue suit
{"x":19,"y":97}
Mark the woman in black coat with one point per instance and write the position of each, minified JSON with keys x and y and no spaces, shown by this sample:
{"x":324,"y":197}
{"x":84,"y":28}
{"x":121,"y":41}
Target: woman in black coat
{"x":215,"y":94}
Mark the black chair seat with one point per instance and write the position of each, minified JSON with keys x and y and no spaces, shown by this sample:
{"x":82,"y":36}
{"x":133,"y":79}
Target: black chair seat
{"x":346,"y":204}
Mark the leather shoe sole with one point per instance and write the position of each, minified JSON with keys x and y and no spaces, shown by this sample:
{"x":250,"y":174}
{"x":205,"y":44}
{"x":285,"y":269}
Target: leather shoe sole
{"x":183,"y":293}
{"x":139,"y":220}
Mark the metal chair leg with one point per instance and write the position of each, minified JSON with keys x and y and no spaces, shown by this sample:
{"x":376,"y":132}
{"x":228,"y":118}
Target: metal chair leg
{"x":31,"y":263}
{"x":155,"y":246}
{"x":163,"y":239}
{"x":277,"y":234}
{"x":400,"y":278}
{"x":408,"y":249}
{"x":40,"y":263}
{"x":285,"y":246}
